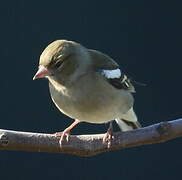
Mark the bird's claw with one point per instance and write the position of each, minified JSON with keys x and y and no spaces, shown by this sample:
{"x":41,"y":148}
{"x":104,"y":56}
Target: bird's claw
{"x":64,"y":135}
{"x":107,"y":139}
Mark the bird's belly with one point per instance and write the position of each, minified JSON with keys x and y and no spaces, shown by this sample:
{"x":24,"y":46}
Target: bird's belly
{"x":103,"y":108}
{"x":84,"y":111}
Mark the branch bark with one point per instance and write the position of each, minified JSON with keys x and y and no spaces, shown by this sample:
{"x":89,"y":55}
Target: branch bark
{"x":89,"y":145}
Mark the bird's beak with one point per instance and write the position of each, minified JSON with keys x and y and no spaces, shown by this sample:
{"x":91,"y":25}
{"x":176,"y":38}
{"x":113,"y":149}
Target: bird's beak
{"x":41,"y":73}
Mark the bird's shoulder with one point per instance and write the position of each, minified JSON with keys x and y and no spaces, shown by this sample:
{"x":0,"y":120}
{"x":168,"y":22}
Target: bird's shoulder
{"x":101,"y":60}
{"x":110,"y":70}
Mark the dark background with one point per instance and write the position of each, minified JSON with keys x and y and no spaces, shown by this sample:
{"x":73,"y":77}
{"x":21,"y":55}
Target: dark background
{"x":143,"y":37}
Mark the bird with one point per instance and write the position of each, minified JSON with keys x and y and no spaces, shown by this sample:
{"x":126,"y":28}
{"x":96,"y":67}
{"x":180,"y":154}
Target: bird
{"x":87,"y":86}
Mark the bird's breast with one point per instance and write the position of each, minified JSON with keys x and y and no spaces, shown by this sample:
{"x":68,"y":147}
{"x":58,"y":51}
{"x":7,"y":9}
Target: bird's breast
{"x":91,"y":102}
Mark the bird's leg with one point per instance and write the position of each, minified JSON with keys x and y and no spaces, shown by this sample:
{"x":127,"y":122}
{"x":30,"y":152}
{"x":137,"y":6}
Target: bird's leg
{"x":109,"y":136}
{"x":66,"y":132}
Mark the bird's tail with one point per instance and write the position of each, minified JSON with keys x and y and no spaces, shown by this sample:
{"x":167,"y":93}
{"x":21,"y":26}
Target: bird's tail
{"x":128,"y":121}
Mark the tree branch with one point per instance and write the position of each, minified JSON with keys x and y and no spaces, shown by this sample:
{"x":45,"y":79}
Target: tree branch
{"x":89,"y":145}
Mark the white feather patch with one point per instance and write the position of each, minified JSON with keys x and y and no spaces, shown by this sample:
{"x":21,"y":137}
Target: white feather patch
{"x":111,"y":74}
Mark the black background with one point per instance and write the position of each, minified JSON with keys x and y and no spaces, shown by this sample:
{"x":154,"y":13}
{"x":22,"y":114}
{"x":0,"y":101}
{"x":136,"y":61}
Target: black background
{"x":144,"y":37}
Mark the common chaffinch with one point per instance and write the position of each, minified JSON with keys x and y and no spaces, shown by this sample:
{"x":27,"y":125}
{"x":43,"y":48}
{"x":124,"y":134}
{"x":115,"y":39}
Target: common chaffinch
{"x":88,"y":86}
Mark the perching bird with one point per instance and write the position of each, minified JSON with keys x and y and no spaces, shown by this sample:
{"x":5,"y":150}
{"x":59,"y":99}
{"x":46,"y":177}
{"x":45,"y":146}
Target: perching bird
{"x":88,"y":86}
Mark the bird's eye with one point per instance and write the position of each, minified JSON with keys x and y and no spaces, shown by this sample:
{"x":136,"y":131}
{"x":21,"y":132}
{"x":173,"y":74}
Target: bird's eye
{"x":58,"y":64}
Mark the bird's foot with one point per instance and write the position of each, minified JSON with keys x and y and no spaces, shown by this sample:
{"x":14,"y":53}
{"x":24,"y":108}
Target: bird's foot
{"x":66,"y":132}
{"x":108,"y":137}
{"x":64,"y":135}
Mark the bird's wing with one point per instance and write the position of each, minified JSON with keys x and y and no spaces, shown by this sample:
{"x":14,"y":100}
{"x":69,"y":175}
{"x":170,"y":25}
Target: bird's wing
{"x":101,"y":60}
{"x":108,"y":68}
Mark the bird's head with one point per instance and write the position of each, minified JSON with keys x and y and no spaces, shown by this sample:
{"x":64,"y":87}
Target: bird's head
{"x":59,"y":60}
